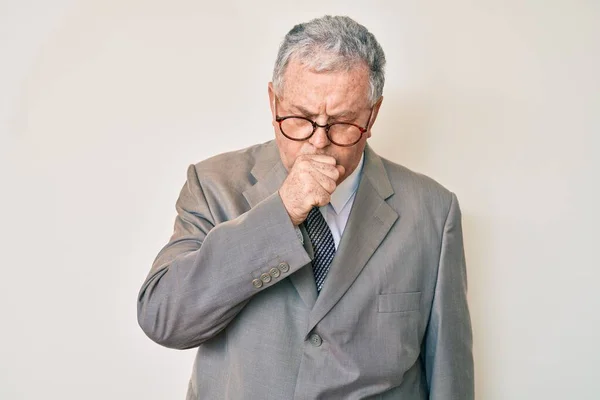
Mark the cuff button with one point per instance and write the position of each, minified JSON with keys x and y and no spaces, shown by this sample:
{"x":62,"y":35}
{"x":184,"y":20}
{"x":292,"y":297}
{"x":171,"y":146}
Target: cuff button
{"x":257,"y":283}
{"x":274,"y":272}
{"x":283,"y":267}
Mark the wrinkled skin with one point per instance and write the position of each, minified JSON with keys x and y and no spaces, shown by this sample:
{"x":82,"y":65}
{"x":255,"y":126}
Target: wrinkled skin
{"x":316,"y":166}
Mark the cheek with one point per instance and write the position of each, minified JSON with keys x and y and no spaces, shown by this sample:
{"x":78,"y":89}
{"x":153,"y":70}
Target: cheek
{"x":349,"y":158}
{"x":288,"y":151}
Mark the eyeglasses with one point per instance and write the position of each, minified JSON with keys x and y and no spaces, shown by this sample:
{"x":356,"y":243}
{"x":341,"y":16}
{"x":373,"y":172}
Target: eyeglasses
{"x":344,"y":134}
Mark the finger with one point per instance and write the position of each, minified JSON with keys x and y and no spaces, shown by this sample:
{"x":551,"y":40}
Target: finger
{"x":305,"y":161}
{"x":335,"y":172}
{"x":326,"y":169}
{"x":321,"y":158}
{"x":325,"y":164}
{"x":325,"y":182}
{"x":318,"y":197}
{"x":322,"y":199}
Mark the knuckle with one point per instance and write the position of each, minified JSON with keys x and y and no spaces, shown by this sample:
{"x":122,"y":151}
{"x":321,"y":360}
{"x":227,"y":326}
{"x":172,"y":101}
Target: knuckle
{"x":300,"y":162}
{"x":304,"y":175}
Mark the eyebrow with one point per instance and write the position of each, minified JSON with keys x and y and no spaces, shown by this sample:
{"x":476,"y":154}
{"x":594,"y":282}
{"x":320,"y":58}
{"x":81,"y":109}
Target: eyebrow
{"x":347,"y":114}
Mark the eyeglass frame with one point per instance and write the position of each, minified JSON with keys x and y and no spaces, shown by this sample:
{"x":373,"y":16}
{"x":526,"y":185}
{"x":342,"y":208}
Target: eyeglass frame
{"x":362,"y":130}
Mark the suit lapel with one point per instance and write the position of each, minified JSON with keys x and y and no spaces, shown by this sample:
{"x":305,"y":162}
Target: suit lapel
{"x":370,"y":220}
{"x":270,"y":173}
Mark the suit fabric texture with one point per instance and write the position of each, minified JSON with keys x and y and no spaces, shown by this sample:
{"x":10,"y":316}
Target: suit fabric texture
{"x":235,"y":281}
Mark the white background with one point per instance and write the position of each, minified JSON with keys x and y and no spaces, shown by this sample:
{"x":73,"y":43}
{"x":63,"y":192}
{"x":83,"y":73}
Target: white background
{"x":104,"y":103}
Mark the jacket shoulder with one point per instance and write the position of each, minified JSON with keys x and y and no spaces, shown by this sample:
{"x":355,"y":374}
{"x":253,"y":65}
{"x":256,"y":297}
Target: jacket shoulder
{"x":415,"y":188}
{"x":233,"y":168}
{"x":233,"y":160}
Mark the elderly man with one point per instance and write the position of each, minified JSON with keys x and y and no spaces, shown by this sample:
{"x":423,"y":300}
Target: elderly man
{"x":309,"y":267}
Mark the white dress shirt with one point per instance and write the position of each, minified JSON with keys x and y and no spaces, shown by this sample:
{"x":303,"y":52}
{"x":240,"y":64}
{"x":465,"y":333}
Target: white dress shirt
{"x":336,"y":213}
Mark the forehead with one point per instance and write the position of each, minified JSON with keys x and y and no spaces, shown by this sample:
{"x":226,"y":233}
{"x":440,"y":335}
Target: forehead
{"x":326,"y":91}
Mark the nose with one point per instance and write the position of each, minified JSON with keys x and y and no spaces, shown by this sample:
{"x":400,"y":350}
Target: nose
{"x":319,"y":138}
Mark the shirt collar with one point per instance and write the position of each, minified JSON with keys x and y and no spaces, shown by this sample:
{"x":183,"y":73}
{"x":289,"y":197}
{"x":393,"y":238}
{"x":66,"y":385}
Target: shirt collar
{"x":347,"y":188}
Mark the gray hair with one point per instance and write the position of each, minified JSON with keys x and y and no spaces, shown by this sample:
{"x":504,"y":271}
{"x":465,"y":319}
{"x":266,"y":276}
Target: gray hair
{"x":332,"y":44}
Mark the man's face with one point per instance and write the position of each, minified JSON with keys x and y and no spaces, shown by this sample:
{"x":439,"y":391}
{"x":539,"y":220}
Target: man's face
{"x":324,"y":97}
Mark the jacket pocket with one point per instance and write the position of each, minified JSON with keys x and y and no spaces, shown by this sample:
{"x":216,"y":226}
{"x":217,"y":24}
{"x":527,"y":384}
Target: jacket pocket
{"x":398,"y":302}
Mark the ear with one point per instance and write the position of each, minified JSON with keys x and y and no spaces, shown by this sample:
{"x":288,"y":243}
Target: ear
{"x":374,"y":115}
{"x":272,"y":99}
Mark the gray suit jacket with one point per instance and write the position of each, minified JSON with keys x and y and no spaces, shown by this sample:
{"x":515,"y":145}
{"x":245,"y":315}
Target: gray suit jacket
{"x":391,"y":321}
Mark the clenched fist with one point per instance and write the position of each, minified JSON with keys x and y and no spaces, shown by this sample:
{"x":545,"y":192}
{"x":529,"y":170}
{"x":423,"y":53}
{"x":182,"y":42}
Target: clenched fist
{"x":310,"y":183}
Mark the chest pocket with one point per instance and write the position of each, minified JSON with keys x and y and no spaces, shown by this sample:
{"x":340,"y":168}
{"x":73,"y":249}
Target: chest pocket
{"x":399,"y":302}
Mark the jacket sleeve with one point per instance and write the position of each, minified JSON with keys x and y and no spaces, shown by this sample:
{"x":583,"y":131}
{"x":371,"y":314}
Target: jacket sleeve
{"x":204,"y":276}
{"x":448,"y":339}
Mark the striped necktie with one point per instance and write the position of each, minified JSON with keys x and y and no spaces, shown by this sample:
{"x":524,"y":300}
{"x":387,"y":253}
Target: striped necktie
{"x":323,"y":245}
